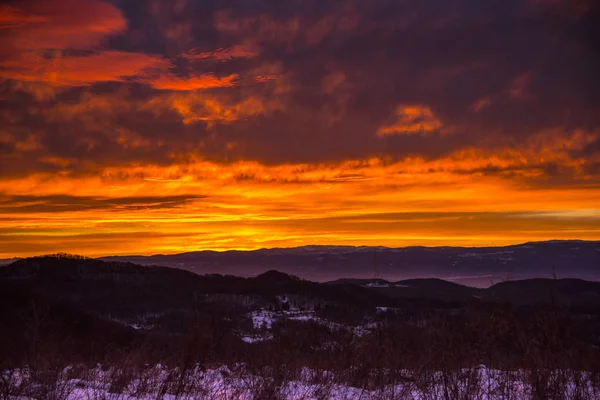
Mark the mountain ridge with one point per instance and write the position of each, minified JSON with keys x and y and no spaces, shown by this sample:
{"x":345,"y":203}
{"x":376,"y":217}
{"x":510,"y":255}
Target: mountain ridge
{"x":65,"y":272}
{"x":351,"y":247}
{"x":480,"y":266}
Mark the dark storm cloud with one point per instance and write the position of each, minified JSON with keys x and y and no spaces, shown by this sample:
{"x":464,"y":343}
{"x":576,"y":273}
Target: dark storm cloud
{"x":296,"y":81}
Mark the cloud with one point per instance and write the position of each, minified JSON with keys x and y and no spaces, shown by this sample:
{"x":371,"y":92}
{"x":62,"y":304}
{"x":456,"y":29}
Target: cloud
{"x":304,"y":29}
{"x":273,"y":93}
{"x":519,"y":88}
{"x":198,"y":108}
{"x":481,"y":103}
{"x":39,"y":35}
{"x":104,"y":66}
{"x":66,"y":203}
{"x":412,"y":119}
{"x":206,"y":81}
{"x":108,"y":66}
{"x":32,"y":25}
{"x":223,"y":54}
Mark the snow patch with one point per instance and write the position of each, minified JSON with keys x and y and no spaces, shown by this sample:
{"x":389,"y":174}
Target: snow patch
{"x":263,"y":319}
{"x":256,"y":339}
{"x":377,"y":285}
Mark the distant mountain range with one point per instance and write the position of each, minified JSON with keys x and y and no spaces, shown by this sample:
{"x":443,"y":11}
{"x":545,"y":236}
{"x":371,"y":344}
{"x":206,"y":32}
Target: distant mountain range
{"x":104,"y":287}
{"x":474,"y":266}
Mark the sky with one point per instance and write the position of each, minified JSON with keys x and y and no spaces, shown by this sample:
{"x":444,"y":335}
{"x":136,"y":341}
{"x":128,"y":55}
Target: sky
{"x":144,"y":127}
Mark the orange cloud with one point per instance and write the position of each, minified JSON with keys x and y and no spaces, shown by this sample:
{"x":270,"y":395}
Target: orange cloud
{"x":412,"y":119}
{"x":205,"y":81}
{"x":36,"y":33}
{"x":12,"y":17}
{"x":194,"y":108}
{"x":108,"y":66}
{"x":102,"y":110}
{"x":104,"y":66}
{"x":59,"y":24}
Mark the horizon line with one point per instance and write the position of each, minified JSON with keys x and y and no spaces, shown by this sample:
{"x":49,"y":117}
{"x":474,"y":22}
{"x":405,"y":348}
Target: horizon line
{"x":305,"y":246}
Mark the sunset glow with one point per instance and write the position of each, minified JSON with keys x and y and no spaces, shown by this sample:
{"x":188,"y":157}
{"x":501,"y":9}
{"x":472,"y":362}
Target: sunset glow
{"x":170,"y":126}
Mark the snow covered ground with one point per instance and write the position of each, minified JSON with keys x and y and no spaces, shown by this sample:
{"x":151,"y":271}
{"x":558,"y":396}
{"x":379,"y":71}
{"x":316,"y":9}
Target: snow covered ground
{"x":263,"y":320}
{"x":223,"y":383}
